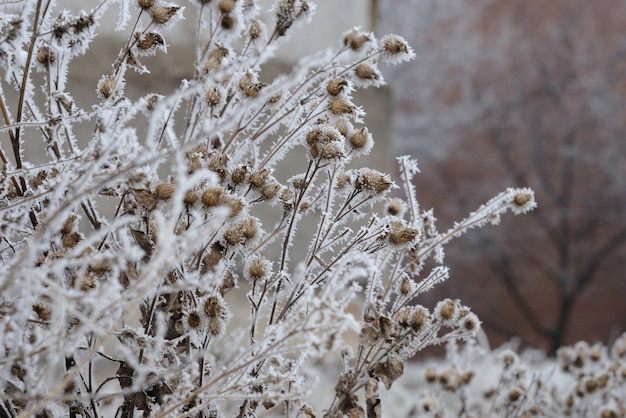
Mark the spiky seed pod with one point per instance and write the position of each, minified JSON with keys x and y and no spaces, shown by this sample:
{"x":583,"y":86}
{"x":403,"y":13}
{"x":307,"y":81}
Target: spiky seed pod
{"x":406,"y":286}
{"x":258,"y":269}
{"x":341,"y":107}
{"x":45,"y":57}
{"x":162,"y":15}
{"x":361,"y":139}
{"x":213,"y":96}
{"x":366,"y":72}
{"x":259,"y":177}
{"x":71,"y":240}
{"x":68,"y":225}
{"x":149,"y":40}
{"x":419,"y":319}
{"x":270,"y":191}
{"x":226,"y":6}
{"x":239,"y":174}
{"x":145,"y":4}
{"x":431,"y":375}
{"x":343,"y":180}
{"x":228,"y":22}
{"x":255,"y":30}
{"x":42,"y":311}
{"x":107,"y":88}
{"x":447,"y":309}
{"x":372,"y":181}
{"x":212,"y":197}
{"x":235,"y":205}
{"x":213,"y":307}
{"x":164,"y":191}
{"x":336,"y":85}
{"x":191,"y":198}
{"x":400,"y":234}
{"x":355,"y":39}
{"x":330,"y":151}
{"x":194,"y":319}
{"x":395,"y":45}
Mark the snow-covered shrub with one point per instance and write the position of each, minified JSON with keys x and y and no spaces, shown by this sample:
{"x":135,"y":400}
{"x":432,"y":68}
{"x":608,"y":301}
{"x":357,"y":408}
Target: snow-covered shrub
{"x":582,"y":381}
{"x":186,"y":298}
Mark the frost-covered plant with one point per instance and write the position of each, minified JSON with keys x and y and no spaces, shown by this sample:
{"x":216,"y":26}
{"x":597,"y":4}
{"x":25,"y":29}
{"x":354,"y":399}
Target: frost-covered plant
{"x":196,"y":295}
{"x":582,"y":381}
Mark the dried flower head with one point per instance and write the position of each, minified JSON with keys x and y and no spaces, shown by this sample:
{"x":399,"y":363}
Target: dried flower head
{"x":45,"y":56}
{"x":372,"y":181}
{"x":401,"y":234}
{"x":355,"y":39}
{"x":523,"y":200}
{"x":107,"y":88}
{"x":340,"y":106}
{"x":145,"y":4}
{"x":395,"y":207}
{"x":256,"y":29}
{"x":336,"y":86}
{"x":164,"y":191}
{"x":163,"y":14}
{"x":395,"y":49}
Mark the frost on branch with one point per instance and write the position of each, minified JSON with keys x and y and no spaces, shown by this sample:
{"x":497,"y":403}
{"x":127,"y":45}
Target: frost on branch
{"x":140,"y":274}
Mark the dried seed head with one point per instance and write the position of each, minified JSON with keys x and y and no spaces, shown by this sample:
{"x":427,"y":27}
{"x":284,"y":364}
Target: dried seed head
{"x":165,"y":191}
{"x":239,"y":174}
{"x":395,"y":207}
{"x":71,"y":240}
{"x":235,"y":205}
{"x":226,"y":6}
{"x":343,"y":125}
{"x":256,"y":29}
{"x":258,"y":269}
{"x":42,"y":311}
{"x":470,"y":323}
{"x":361,"y":140}
{"x":212,"y":197}
{"x":404,"y":317}
{"x":515,"y":394}
{"x":162,"y":15}
{"x":68,"y":225}
{"x":419,"y":318}
{"x":366,"y":72}
{"x":45,"y":57}
{"x":270,"y":191}
{"x":372,"y":181}
{"x":336,"y":85}
{"x":431,"y":375}
{"x":191,"y":198}
{"x":228,"y":21}
{"x":446,"y":309}
{"x":249,"y":228}
{"x":145,"y":4}
{"x":194,"y":320}
{"x":400,"y":234}
{"x":343,"y":180}
{"x":406,"y":286}
{"x":214,"y":307}
{"x":521,"y":199}
{"x":330,"y":151}
{"x":355,"y":39}
{"x":341,"y":107}
{"x":394,"y":44}
{"x":259,"y":177}
{"x":107,"y":87}
{"x":149,"y":41}
{"x":299,"y":182}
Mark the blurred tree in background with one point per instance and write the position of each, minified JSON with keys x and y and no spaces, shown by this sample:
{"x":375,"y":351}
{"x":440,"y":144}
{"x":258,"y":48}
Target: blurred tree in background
{"x":524,"y":93}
